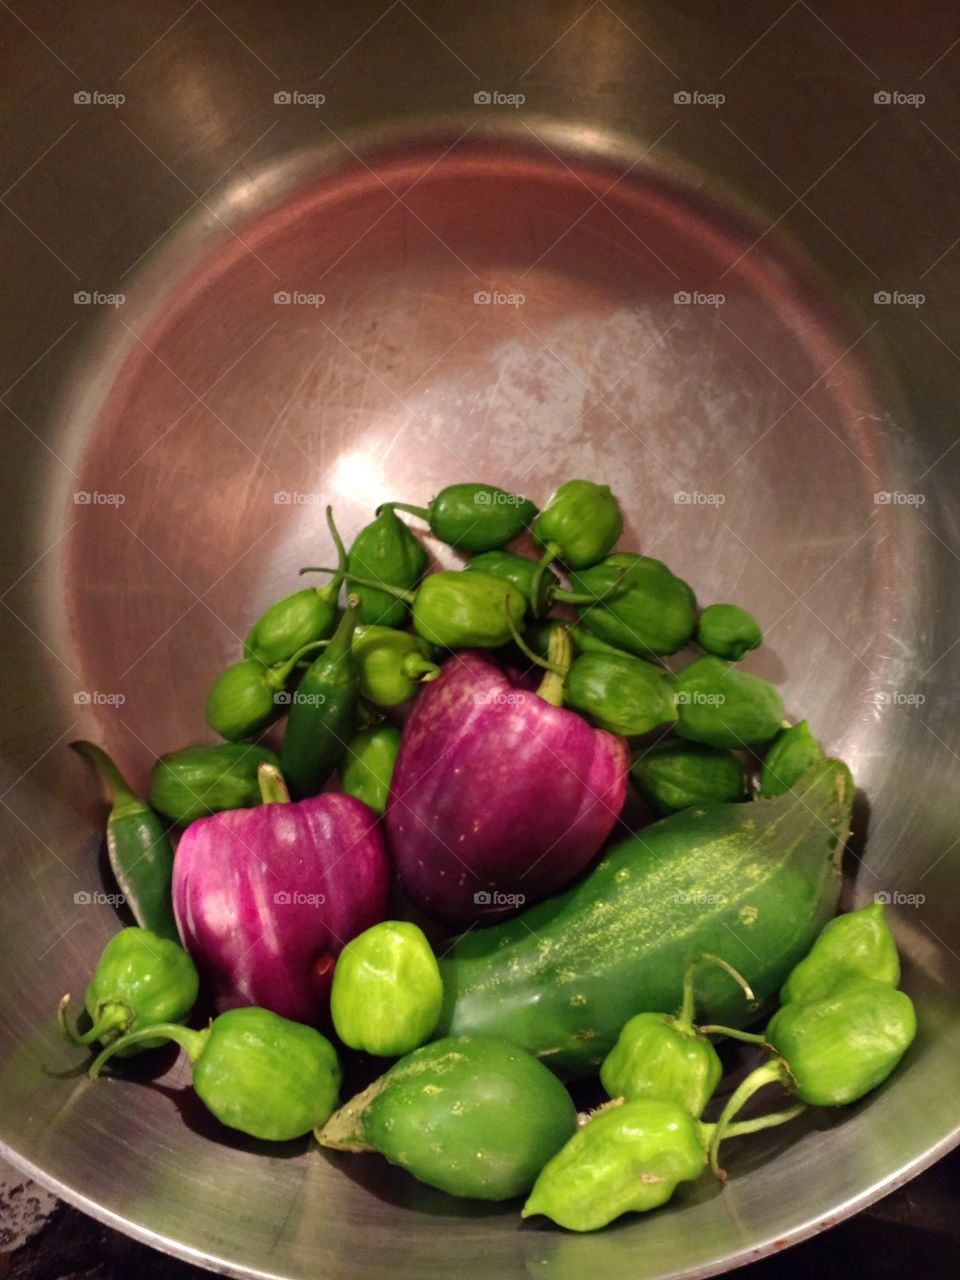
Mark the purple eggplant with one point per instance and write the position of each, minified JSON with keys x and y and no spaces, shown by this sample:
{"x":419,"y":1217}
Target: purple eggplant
{"x":266,"y":898}
{"x":499,"y":796}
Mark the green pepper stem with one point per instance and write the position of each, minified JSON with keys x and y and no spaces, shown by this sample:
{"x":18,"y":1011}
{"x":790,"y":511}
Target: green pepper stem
{"x":332,"y":590}
{"x":422,"y":512}
{"x":560,"y":656}
{"x":273,"y":789}
{"x":769,"y":1121}
{"x":124,"y":800}
{"x":112,"y":1015}
{"x":192,"y":1042}
{"x":560,"y":595}
{"x":748,"y":1037}
{"x":340,"y":642}
{"x":416,"y":667}
{"x":525,"y":649}
{"x":551,"y":552}
{"x":687,"y":1008}
{"x":399,"y":592}
{"x":770,"y":1073}
{"x":278,"y":676}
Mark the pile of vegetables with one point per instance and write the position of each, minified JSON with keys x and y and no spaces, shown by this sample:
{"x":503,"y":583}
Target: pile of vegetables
{"x":468,"y":736}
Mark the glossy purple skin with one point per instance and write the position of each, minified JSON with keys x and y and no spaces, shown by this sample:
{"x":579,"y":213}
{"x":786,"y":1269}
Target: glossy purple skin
{"x":497,"y":792}
{"x":266,"y":898}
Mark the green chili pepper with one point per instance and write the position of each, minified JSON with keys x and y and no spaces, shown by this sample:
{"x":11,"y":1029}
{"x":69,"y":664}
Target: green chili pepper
{"x":139,"y":848}
{"x":367,"y":765}
{"x":387,"y":990}
{"x":393,"y":664}
{"x":791,"y":754}
{"x":668,"y":1058}
{"x":247,"y":697}
{"x":323,"y":712}
{"x":725,"y":707}
{"x":649,"y":609}
{"x":386,"y":551}
{"x":297,"y":620}
{"x":627,"y":1157}
{"x":621,"y":693}
{"x":473,"y":517}
{"x":831,"y":1051}
{"x":677,"y":775}
{"x":728,"y":631}
{"x":856,"y":945}
{"x":141,"y":980}
{"x":461,"y":610}
{"x":255,"y":1071}
{"x":198,"y":781}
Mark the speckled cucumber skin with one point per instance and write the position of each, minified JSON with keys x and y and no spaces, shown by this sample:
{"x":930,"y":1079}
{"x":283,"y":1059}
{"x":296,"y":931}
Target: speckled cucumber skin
{"x":473,"y":1116}
{"x":752,"y":883}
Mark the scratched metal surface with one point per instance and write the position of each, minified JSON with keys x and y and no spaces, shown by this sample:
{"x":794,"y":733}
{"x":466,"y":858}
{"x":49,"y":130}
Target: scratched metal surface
{"x":754,"y":442}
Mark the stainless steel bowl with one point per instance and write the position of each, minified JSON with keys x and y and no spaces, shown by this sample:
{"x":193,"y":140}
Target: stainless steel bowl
{"x":785,"y":436}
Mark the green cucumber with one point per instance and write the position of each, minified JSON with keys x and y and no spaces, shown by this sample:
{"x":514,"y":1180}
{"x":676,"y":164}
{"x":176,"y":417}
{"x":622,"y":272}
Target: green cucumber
{"x":753,"y":884}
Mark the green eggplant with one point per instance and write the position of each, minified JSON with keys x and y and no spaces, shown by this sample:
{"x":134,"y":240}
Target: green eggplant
{"x":728,"y":631}
{"x":197,"y":781}
{"x":386,"y":551}
{"x":473,"y":517}
{"x":621,"y":693}
{"x":647,"y":609}
{"x":367,"y":765}
{"x":791,"y":753}
{"x":675,"y":775}
{"x":722,"y":706}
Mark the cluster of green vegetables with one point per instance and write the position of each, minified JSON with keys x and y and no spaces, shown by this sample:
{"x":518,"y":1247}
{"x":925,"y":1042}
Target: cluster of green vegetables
{"x":472,"y":1114}
{"x":478,"y":1117}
